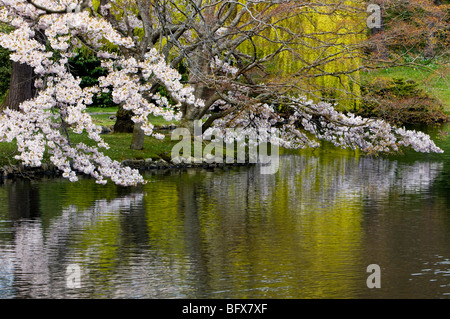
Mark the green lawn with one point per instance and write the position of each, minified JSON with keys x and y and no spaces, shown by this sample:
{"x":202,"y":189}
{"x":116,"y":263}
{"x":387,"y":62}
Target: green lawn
{"x":433,"y":78}
{"x":93,"y":109}
{"x":120,"y":142}
{"x":120,"y":146}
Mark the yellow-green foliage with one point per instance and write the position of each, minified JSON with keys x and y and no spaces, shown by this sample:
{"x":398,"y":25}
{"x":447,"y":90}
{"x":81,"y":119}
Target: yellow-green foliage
{"x":321,"y":41}
{"x":320,"y":45}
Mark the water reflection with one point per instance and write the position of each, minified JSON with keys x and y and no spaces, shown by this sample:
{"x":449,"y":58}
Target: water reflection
{"x":308,"y":231}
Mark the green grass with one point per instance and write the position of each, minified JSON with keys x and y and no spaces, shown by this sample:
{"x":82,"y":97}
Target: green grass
{"x":433,"y":78}
{"x":120,"y":146}
{"x":120,"y":142}
{"x":93,"y":109}
{"x":103,"y":120}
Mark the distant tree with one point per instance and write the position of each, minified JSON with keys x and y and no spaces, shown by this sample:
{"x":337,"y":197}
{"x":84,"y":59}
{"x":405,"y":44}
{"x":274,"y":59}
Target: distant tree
{"x":412,"y":29}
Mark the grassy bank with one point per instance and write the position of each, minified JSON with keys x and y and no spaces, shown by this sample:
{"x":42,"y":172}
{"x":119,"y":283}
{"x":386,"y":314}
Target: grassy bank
{"x":433,"y":78}
{"x":120,"y":146}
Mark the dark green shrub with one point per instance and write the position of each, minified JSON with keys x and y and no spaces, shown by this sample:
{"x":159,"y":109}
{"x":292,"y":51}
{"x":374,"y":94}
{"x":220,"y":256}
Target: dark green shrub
{"x":89,"y":69}
{"x":5,"y":72}
{"x":400,"y":102}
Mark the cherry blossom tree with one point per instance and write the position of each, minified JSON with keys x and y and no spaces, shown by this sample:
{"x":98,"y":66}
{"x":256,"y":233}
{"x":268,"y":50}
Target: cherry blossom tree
{"x":136,"y":66}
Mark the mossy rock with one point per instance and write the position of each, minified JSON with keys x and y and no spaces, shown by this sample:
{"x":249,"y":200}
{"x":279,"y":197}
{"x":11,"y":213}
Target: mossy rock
{"x":123,"y":124}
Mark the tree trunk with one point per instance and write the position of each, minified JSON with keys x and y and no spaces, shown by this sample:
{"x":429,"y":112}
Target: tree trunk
{"x":20,"y":87}
{"x":123,"y":124}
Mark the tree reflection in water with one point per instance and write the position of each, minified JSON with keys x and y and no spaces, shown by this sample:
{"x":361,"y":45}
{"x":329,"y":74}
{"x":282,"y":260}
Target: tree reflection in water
{"x":308,"y":231}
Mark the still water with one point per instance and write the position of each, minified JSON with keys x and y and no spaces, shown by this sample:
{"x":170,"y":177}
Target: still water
{"x":308,"y":231}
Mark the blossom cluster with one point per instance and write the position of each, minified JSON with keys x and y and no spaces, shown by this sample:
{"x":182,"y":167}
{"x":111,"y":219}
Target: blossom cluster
{"x":219,"y":65}
{"x":310,"y":122}
{"x":257,"y":122}
{"x":124,"y":81}
{"x":355,"y":132}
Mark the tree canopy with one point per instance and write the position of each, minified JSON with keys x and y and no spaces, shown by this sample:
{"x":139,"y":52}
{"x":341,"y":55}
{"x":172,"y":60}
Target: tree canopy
{"x":227,"y":51}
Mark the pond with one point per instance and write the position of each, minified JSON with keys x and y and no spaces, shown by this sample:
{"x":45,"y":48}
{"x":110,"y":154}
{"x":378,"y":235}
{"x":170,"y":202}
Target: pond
{"x":308,"y":231}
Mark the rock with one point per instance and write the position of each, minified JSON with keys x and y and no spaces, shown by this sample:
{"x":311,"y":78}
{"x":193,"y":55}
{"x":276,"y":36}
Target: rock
{"x":5,"y":171}
{"x":166,"y":157}
{"x":209,"y":158}
{"x":133,"y":163}
{"x":162,"y":164}
{"x":106,"y":130}
{"x":167,"y":127}
{"x":126,"y":162}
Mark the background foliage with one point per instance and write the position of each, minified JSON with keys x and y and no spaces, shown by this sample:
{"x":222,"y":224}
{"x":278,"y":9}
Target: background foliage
{"x":5,"y":72}
{"x":88,"y":68}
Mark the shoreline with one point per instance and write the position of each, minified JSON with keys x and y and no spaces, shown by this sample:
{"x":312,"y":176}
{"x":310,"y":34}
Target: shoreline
{"x":19,"y":171}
